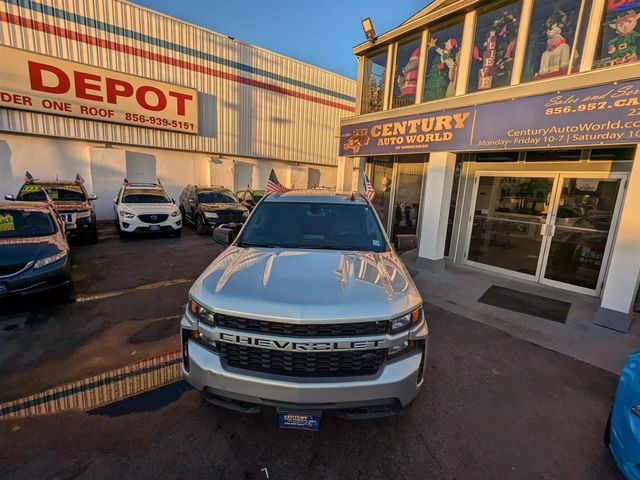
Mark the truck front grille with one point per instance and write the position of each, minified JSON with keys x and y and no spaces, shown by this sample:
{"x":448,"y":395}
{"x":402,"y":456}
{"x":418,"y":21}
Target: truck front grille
{"x":302,"y":364}
{"x":303,"y":330}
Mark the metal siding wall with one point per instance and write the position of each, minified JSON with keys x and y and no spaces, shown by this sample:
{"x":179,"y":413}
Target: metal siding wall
{"x":249,"y":121}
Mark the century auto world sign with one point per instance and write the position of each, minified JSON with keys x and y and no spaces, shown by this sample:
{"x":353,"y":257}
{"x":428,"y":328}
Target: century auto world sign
{"x":29,"y":81}
{"x":606,"y":114}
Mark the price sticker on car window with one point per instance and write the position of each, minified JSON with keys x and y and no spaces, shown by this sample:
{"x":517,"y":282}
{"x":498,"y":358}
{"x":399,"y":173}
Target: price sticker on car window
{"x":6,"y":223}
{"x":32,"y":187}
{"x":53,"y":194}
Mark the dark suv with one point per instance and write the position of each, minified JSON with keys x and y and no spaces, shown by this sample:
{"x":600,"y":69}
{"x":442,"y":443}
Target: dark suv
{"x":208,"y":207}
{"x":71,"y":199}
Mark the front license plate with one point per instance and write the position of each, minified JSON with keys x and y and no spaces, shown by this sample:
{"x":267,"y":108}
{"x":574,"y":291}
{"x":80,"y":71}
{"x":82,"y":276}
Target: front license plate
{"x":299,"y":421}
{"x":154,"y":228}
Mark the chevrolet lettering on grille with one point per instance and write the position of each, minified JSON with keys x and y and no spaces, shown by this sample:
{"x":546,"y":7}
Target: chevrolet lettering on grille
{"x":292,"y":346}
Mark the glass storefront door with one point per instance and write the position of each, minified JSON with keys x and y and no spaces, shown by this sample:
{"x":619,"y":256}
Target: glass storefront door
{"x":509,"y":220}
{"x":551,"y":228}
{"x":407,"y":195}
{"x":579,"y":234}
{"x":381,"y":178}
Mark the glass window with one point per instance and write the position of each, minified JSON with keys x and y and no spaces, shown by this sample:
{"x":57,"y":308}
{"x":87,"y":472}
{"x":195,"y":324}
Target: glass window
{"x":327,"y":226}
{"x":619,"y":40}
{"x":551,"y":44}
{"x":494,"y":45}
{"x":31,"y":192}
{"x":224,"y":196}
{"x":375,"y":68}
{"x":443,"y":56}
{"x":21,"y":223}
{"x":147,"y":195}
{"x":406,"y":82}
{"x":613,"y":154}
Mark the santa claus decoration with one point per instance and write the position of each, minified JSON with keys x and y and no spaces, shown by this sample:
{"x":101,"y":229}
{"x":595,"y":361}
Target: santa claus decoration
{"x":408,"y":79}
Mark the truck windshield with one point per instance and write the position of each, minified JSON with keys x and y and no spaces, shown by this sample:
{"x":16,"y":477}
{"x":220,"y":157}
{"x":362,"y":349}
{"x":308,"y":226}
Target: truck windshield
{"x":314,"y":225}
{"x":20,"y":223}
{"x":62,"y":193}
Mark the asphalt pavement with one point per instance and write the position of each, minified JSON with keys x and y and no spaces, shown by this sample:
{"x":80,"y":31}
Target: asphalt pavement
{"x":493,"y":406}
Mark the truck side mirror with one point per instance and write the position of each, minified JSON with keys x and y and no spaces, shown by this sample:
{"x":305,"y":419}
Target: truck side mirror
{"x":224,"y":235}
{"x":405,"y":242}
{"x":9,"y":197}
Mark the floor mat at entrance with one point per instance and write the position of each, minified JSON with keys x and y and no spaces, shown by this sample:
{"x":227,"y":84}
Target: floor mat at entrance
{"x":522,"y":302}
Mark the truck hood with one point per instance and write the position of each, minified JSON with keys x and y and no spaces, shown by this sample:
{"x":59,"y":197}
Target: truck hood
{"x":300,"y":286}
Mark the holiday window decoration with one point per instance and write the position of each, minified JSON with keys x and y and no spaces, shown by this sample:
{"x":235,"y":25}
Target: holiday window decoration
{"x":498,"y":48}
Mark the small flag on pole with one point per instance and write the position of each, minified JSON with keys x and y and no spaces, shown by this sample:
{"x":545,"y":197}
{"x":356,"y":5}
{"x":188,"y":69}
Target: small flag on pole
{"x":273,"y":185}
{"x":49,"y":200}
{"x":125,"y":183}
{"x":160,"y":183}
{"x":28,"y":178}
{"x":79,"y":180}
{"x":370,"y":193}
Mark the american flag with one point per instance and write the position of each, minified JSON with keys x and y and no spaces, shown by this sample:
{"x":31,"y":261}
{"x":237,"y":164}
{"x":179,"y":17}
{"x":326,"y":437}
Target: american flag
{"x":273,"y":185}
{"x":160,"y":183}
{"x":370,"y":193}
{"x":79,"y":179}
{"x":50,"y":201}
{"x":28,"y":178}
{"x":125,"y":183}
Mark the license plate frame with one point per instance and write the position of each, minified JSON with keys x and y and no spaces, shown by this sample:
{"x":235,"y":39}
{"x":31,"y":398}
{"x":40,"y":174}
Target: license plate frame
{"x":300,"y":420}
{"x":154,"y":228}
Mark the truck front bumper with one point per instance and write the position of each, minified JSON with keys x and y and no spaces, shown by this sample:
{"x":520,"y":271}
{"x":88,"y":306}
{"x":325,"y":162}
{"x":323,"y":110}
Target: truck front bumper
{"x":395,"y":385}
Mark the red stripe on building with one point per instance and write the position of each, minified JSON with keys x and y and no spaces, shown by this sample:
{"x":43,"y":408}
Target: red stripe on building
{"x":118,"y":47}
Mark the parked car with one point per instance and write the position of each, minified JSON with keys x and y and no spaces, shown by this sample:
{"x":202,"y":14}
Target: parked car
{"x":207,"y":207}
{"x":142,"y":208}
{"x":34,"y":253}
{"x":250,"y":198}
{"x":309,"y":309}
{"x":72,"y":201}
{"x":622,"y":434}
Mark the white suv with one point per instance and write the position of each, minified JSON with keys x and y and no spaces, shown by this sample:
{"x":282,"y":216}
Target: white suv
{"x":146,"y":208}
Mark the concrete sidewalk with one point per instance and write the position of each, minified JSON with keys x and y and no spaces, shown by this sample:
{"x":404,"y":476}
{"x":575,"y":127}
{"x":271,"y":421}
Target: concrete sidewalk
{"x":458,"y":289}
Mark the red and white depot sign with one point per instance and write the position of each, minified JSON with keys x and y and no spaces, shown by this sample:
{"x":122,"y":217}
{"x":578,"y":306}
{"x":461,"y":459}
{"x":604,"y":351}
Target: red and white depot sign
{"x":29,"y":81}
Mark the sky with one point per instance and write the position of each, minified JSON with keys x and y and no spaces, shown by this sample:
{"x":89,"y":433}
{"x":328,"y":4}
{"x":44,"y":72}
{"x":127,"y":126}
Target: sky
{"x":318,"y":32}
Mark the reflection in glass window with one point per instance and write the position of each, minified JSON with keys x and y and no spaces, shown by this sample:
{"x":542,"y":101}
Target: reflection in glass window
{"x":551,"y":44}
{"x":619,"y":34}
{"x":494,"y":46}
{"x":443,"y":57}
{"x":407,"y":64}
{"x":375,"y":68}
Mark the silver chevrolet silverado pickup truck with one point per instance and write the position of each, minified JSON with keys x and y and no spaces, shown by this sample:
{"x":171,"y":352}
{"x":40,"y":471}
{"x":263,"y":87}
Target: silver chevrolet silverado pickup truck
{"x":308,"y":310}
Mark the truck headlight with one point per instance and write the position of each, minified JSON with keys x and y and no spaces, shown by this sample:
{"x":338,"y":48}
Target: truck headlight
{"x":400,"y":349}
{"x":207,"y":316}
{"x":211,"y":215}
{"x":84,"y":214}
{"x":43,"y":262}
{"x":406,"y":321}
{"x":126,"y":214}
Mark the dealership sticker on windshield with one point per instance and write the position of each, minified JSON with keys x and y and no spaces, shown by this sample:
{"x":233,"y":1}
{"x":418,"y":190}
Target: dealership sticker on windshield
{"x":6,"y":223}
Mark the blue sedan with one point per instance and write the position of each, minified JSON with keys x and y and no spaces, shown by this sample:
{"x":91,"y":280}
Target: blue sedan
{"x":623,"y":430}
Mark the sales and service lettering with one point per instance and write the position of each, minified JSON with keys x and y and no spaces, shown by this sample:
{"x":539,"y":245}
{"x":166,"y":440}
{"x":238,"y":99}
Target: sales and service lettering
{"x":602,"y":115}
{"x":29,"y":81}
